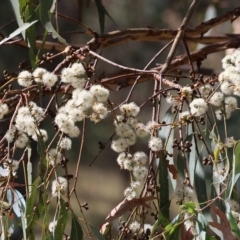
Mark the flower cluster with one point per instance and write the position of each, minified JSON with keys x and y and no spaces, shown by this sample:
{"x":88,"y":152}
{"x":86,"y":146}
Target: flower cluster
{"x":136,"y":165}
{"x":40,"y":75}
{"x":76,"y":109}
{"x":26,"y":124}
{"x":128,"y":128}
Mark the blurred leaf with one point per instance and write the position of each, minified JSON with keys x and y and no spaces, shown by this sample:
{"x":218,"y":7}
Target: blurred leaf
{"x":200,"y":184}
{"x":235,"y":173}
{"x":101,"y":14}
{"x":76,"y":230}
{"x":160,"y":221}
{"x":224,"y":227}
{"x":16,"y":8}
{"x":192,"y":157}
{"x":97,"y":233}
{"x":233,"y":225}
{"x":61,"y":221}
{"x":164,"y":185}
{"x":189,"y":207}
{"x":17,"y":31}
{"x":30,"y":203}
{"x":173,"y":229}
{"x":45,"y":16}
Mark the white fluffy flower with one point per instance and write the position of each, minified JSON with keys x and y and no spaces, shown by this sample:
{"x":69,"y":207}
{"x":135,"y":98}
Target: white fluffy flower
{"x":101,"y":110}
{"x":59,"y":187}
{"x":171,"y":100}
{"x":54,"y":156}
{"x":205,"y":89}
{"x":38,"y":74}
{"x":49,"y":79}
{"x":140,"y":172}
{"x":186,"y":91}
{"x":3,"y":109}
{"x":198,"y":107}
{"x":141,"y":130}
{"x":78,"y":69}
{"x":227,"y":61}
{"x":140,"y":158}
{"x":100,"y":93}
{"x":231,"y":103}
{"x":25,"y":78}
{"x":41,"y":133}
{"x":74,"y":75}
{"x":119,"y":145}
{"x":216,"y":99}
{"x":52,"y":226}
{"x":155,"y":144}
{"x":21,"y":141}
{"x":129,"y":193}
{"x":65,"y":143}
{"x":10,"y":133}
{"x":122,"y":158}
{"x":151,"y":125}
{"x":83,"y":99}
{"x":227,"y":88}
{"x":134,"y":226}
{"x":130,"y":109}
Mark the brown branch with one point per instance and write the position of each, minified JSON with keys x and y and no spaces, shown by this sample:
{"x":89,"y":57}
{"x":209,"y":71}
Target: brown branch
{"x":154,"y":35}
{"x":126,"y":80}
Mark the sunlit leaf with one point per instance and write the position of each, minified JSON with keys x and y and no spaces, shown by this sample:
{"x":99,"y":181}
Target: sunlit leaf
{"x":18,"y":31}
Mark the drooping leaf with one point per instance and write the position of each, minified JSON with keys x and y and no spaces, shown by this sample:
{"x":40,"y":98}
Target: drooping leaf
{"x":173,"y":229}
{"x":61,"y":221}
{"x":101,"y":14}
{"x":97,"y":233}
{"x":235,"y":173}
{"x":76,"y":230}
{"x":45,"y":17}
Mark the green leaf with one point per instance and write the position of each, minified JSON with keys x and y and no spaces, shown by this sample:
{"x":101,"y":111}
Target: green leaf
{"x":61,"y":221}
{"x":101,"y":14}
{"x":18,"y":31}
{"x":30,"y":203}
{"x":233,"y":225}
{"x":189,"y":207}
{"x":173,"y":229}
{"x":76,"y":231}
{"x":45,"y":16}
{"x":16,"y":9}
{"x":235,"y":173}
{"x":97,"y":233}
{"x":160,"y":221}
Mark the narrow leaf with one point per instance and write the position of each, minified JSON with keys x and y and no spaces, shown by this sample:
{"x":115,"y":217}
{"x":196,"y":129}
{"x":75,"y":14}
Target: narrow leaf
{"x":18,"y":31}
{"x":101,"y":14}
{"x":61,"y":221}
{"x":76,"y":230}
